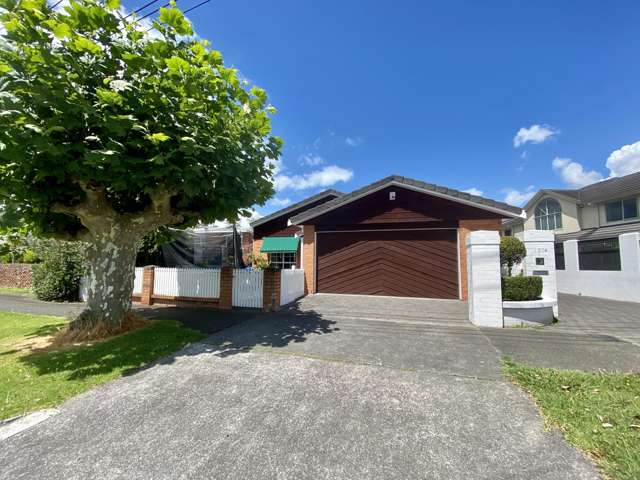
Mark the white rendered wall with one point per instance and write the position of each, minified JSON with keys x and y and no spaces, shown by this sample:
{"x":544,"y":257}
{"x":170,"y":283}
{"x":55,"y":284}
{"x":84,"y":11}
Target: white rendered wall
{"x":540,"y":249}
{"x":483,"y":267}
{"x":615,"y":285}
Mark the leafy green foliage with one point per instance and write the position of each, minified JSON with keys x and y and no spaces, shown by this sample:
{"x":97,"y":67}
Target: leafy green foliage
{"x":88,"y":101}
{"x":57,"y":278}
{"x":150,"y":252}
{"x":521,"y":288}
{"x":512,"y":252}
{"x":597,"y":412}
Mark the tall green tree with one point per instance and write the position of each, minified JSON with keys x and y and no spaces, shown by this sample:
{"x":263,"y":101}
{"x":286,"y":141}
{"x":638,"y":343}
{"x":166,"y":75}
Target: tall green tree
{"x":108,"y":132}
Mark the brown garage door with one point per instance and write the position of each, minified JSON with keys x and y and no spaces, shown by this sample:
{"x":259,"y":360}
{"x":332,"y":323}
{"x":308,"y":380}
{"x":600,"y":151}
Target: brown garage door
{"x":406,"y":263}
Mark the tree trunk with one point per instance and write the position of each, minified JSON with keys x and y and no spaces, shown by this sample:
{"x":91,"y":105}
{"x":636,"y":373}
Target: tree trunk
{"x":111,"y":257}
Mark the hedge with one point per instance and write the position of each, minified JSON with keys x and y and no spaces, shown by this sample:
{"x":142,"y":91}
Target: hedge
{"x":57,"y":278}
{"x":521,"y":288}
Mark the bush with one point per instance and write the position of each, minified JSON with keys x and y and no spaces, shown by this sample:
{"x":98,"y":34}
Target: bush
{"x":512,"y":251}
{"x":29,"y":256}
{"x":57,"y":278}
{"x":521,"y":288}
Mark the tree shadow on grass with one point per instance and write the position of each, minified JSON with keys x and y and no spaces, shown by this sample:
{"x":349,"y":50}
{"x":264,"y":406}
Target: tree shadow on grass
{"x":162,"y":343}
{"x":123,"y":354}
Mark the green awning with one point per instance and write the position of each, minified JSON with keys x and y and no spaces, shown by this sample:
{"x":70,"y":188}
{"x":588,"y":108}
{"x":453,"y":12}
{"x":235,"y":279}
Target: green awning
{"x":280,"y":244}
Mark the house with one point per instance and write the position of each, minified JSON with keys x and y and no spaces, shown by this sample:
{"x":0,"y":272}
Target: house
{"x":276,"y":238}
{"x":597,"y":239}
{"x":594,"y":215}
{"x":397,"y":237}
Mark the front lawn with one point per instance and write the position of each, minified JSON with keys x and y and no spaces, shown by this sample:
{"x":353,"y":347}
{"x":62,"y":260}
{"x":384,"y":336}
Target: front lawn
{"x":32,"y":377}
{"x":597,"y":412}
{"x":21,"y":292}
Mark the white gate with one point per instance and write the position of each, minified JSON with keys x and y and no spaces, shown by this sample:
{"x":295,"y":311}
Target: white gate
{"x":137,"y":281}
{"x":291,"y":285}
{"x":247,"y":288}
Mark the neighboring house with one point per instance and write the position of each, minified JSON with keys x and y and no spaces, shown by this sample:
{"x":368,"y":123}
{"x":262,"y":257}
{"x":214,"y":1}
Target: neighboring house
{"x":276,"y":238}
{"x":610,"y":204}
{"x":595,"y":215}
{"x":397,"y":236}
{"x":596,"y":227}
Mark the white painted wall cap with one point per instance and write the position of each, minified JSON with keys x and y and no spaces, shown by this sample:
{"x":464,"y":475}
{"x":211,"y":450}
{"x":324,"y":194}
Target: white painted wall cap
{"x":483,"y":237}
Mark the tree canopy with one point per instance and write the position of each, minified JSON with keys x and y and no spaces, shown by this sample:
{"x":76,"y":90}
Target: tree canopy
{"x":100,"y":118}
{"x":109,"y":131}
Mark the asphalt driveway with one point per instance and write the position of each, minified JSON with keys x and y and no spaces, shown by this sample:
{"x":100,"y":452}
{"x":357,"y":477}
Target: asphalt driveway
{"x":307,"y":393}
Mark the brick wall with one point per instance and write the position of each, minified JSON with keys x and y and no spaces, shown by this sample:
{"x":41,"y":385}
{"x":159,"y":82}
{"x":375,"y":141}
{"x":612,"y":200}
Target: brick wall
{"x":309,"y":258}
{"x":257,"y":245}
{"x":247,"y":246}
{"x":271,"y":291}
{"x":464,"y":227}
{"x":15,"y":275}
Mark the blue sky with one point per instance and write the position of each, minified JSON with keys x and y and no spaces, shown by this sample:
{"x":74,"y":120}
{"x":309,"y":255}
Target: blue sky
{"x":438,"y":91}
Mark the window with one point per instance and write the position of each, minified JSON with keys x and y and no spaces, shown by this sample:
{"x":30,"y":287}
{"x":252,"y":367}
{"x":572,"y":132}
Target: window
{"x":621,"y":210}
{"x":559,"y":250}
{"x":599,"y":254}
{"x":548,"y":215}
{"x":282,"y":260}
{"x":508,"y":233}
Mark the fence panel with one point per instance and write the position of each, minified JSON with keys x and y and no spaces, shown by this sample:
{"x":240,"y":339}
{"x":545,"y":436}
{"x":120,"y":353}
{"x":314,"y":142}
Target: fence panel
{"x":187,"y":282}
{"x":247,"y":288}
{"x":291,"y":285}
{"x":137,"y":281}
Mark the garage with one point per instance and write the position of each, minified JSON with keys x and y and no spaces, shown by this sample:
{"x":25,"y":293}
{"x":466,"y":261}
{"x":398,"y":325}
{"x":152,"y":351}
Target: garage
{"x":395,"y":237}
{"x":404,"y":263}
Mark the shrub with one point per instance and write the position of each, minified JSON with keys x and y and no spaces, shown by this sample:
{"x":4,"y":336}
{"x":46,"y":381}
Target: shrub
{"x":29,"y":256}
{"x":521,"y":288}
{"x":512,"y":251}
{"x":57,"y":278}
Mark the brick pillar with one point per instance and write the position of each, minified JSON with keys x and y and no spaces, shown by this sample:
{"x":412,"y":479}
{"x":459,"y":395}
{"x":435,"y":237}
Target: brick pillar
{"x":464,"y":228}
{"x":309,"y":258}
{"x":271,"y":291}
{"x":226,"y":288}
{"x":146,"y":297}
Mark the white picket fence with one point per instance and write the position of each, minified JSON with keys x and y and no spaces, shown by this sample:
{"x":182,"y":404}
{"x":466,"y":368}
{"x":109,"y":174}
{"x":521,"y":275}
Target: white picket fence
{"x":247,"y":288}
{"x":291,"y":285}
{"x":187,"y":282}
{"x":137,"y":281}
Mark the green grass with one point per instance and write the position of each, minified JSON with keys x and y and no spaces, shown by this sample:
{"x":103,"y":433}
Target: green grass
{"x":597,"y":412}
{"x":31,"y":380}
{"x":21,"y":292}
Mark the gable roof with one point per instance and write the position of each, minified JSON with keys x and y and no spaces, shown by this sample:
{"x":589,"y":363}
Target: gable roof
{"x":608,"y":189}
{"x":295,"y":206}
{"x":429,"y":188}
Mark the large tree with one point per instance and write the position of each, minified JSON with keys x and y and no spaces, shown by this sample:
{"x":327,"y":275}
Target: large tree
{"x":108,"y":131}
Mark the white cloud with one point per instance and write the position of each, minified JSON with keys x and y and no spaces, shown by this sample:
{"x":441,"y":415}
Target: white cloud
{"x":574,"y":174}
{"x":354,"y":141}
{"x":517,"y":197}
{"x":625,"y":160}
{"x":311,"y":159}
{"x":280,"y":202}
{"x":474,"y":191}
{"x":276,"y":164}
{"x":324,"y":177}
{"x":534,"y":134}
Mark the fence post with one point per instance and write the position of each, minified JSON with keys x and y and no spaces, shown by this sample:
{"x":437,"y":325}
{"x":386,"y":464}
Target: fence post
{"x":146,"y":297}
{"x":271,"y":291}
{"x":483,"y":272}
{"x":226,"y":288}
{"x":630,"y":252}
{"x":571,"y":262}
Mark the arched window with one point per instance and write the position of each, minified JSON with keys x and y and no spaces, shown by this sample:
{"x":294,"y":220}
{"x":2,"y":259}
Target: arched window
{"x":548,"y":215}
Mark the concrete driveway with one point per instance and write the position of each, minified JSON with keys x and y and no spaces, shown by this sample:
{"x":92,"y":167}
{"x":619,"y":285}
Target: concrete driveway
{"x":314,"y":392}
